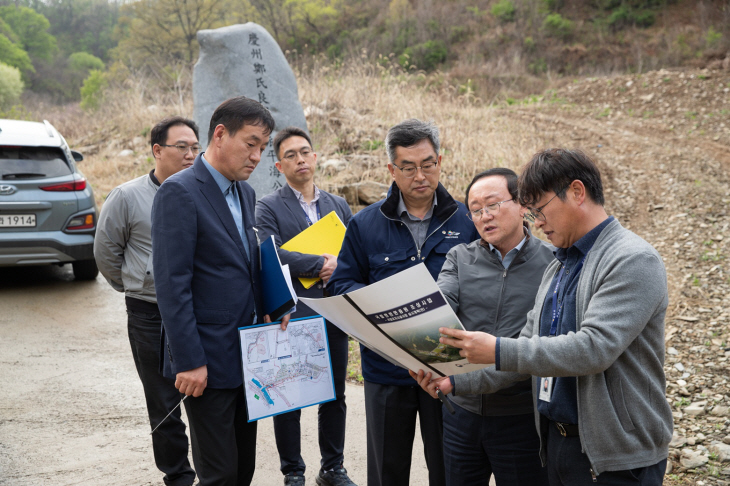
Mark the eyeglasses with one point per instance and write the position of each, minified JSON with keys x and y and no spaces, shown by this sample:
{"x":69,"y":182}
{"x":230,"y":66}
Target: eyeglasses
{"x":492,"y":209}
{"x":536,"y":214}
{"x":428,"y":168}
{"x":183,"y":149}
{"x":292,"y":156}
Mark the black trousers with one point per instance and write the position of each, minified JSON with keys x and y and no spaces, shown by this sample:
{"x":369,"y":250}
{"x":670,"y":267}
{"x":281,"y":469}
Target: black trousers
{"x":331,"y":417}
{"x":169,"y":442}
{"x":567,"y":465}
{"x":390,"y":412}
{"x":476,"y":446}
{"x":224,"y":443}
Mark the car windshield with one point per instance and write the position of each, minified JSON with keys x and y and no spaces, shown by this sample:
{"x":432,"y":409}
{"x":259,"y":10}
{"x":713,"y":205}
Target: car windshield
{"x":32,"y":163}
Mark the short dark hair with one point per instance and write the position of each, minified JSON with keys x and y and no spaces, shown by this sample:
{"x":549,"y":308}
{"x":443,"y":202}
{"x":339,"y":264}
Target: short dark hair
{"x":236,"y":112}
{"x":555,"y":169}
{"x":289,"y":132}
{"x":508,"y":174}
{"x":408,"y":133}
{"x":158,"y":134}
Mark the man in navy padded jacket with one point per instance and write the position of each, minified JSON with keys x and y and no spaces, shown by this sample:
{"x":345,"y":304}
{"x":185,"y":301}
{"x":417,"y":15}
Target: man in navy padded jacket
{"x":418,"y":222}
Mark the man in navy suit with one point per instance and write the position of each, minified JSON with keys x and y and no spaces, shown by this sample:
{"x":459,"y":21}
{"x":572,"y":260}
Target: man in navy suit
{"x":206,"y":278}
{"x":284,"y":214}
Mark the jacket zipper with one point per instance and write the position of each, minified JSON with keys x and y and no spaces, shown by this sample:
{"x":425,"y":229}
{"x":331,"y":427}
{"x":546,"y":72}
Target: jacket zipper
{"x":418,"y":249}
{"x":501,"y":301}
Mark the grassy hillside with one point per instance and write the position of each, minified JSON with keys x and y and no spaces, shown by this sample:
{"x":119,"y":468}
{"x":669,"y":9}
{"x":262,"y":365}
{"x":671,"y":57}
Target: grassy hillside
{"x":662,"y":139}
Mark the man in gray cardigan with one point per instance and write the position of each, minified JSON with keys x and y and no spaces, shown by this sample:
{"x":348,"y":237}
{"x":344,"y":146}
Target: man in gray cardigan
{"x":594,"y":340}
{"x":123,"y":252}
{"x":490,"y":283}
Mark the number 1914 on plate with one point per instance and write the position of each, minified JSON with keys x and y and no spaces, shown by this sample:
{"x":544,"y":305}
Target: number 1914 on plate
{"x":17,"y":220}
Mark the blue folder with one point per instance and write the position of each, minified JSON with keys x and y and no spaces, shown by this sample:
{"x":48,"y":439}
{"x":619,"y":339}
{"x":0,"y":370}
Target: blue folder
{"x":278,"y":298}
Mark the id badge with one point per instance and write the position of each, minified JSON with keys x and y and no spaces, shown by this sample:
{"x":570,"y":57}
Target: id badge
{"x":546,"y":388}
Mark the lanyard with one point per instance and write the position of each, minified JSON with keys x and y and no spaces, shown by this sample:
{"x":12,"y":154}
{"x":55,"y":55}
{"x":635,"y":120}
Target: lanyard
{"x":309,"y":220}
{"x":558,"y":309}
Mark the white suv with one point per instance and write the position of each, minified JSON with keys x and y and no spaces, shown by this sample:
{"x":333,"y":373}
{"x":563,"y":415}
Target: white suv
{"x":47,"y":208}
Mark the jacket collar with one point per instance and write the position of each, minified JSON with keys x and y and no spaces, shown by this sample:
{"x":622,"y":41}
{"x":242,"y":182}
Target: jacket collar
{"x":443,"y":210}
{"x":326,"y":205}
{"x":524,"y":254}
{"x":212,"y":192}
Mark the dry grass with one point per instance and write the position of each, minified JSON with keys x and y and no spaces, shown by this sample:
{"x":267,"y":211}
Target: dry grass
{"x":129,"y":111}
{"x":349,"y":109}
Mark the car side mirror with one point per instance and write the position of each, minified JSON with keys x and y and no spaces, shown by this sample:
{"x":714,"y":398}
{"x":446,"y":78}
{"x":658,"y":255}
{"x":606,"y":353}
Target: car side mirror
{"x":78,"y":156}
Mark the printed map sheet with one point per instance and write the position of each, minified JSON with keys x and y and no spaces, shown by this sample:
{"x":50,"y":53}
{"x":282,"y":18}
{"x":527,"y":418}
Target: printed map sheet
{"x":286,"y":370}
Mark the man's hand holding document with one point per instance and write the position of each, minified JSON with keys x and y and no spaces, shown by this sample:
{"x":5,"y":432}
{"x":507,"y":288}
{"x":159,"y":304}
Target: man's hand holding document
{"x":400,"y":318}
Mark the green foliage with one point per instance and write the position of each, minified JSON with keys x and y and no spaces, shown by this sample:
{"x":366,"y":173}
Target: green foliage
{"x":427,"y":56}
{"x":625,"y":16}
{"x":476,"y":11}
{"x":528,"y":43}
{"x":13,"y":55}
{"x":92,"y":91}
{"x":84,"y":62}
{"x":682,"y":402}
{"x":712,"y":38}
{"x":8,"y":32}
{"x":552,"y":5}
{"x":11,"y":86}
{"x":538,"y":66}
{"x":504,"y":10}
{"x":32,"y":31}
{"x":82,"y":25}
{"x":17,"y":112}
{"x":631,"y":4}
{"x":373,"y":145}
{"x":555,"y":25}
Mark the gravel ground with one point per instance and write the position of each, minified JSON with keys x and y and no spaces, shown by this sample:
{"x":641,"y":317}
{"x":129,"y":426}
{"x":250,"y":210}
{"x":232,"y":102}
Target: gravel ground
{"x":72,"y":411}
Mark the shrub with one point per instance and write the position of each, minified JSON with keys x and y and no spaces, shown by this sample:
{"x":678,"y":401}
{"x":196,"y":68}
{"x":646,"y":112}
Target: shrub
{"x":92,"y":90}
{"x":83,"y":61}
{"x":11,"y":86}
{"x":552,"y":5}
{"x":712,"y":38}
{"x":504,"y":10}
{"x":426,"y":56}
{"x":555,"y":25}
{"x":13,"y":54}
{"x":625,"y":16}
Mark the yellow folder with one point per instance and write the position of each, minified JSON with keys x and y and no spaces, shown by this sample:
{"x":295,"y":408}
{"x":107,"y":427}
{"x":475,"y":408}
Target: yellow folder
{"x":324,"y":236}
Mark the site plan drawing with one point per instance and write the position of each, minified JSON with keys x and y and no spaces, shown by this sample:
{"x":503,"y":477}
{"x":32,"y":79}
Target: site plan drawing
{"x":286,"y":370}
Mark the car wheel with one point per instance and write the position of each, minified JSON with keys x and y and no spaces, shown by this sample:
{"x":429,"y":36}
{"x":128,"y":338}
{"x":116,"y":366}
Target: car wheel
{"x":85,"y":269}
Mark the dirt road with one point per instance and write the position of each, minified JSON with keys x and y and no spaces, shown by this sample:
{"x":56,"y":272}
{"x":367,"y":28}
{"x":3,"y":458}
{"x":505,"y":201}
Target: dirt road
{"x":72,"y":410}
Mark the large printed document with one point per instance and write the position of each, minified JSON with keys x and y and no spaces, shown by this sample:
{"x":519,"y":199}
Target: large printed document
{"x":286,"y":370}
{"x":399,"y":318}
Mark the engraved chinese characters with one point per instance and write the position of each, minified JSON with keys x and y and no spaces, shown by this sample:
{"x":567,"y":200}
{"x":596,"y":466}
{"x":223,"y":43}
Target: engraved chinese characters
{"x":245,"y":60}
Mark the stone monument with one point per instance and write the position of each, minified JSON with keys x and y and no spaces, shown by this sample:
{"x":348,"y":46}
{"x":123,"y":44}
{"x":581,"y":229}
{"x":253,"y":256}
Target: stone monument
{"x":245,"y":60}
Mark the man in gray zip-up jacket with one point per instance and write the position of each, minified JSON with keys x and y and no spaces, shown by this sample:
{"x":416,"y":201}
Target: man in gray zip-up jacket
{"x":490,"y":283}
{"x":594,"y":341}
{"x":123,"y":252}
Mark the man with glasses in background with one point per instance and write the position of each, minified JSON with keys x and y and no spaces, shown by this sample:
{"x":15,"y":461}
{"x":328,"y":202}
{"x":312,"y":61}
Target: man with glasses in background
{"x":285,"y":213}
{"x":594,"y":340}
{"x":123,"y":252}
{"x":418,"y":222}
{"x":491,"y":283}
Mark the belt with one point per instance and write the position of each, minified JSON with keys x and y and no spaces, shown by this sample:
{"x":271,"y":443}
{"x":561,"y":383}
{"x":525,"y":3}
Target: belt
{"x":567,"y":430}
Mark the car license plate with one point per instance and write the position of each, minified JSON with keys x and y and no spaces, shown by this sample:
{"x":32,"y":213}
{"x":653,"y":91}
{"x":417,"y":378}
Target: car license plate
{"x":17,"y":220}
